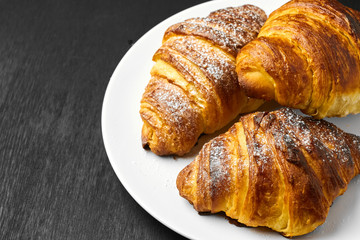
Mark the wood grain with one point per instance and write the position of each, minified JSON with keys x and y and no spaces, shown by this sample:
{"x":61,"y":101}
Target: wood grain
{"x":56,"y":61}
{"x":56,"y":58}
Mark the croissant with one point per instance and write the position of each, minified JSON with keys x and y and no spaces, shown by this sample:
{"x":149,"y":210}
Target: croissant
{"x":275,"y":169}
{"x":193,"y":87}
{"x":306,"y":56}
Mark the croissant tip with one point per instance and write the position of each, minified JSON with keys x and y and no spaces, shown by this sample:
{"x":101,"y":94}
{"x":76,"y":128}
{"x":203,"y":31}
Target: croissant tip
{"x":146,"y":136}
{"x":144,"y":141}
{"x":145,"y":146}
{"x":182,"y":183}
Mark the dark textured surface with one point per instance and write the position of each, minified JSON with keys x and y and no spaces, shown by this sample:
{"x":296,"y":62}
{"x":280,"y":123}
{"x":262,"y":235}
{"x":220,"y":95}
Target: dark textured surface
{"x":56,"y":58}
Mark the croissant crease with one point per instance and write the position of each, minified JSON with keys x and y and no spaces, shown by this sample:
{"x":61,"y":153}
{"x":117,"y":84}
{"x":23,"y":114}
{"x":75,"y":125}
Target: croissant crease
{"x":306,"y":56}
{"x":275,"y":169}
{"x":193,"y":87}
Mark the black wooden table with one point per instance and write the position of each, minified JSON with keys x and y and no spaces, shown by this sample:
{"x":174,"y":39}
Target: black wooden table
{"x":56,"y":58}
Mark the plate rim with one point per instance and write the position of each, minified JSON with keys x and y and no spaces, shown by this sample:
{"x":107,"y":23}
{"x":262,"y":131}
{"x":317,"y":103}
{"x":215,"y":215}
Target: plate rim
{"x":105,"y":104}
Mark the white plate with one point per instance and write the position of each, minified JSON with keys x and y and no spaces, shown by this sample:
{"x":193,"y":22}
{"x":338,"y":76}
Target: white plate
{"x":151,"y":179}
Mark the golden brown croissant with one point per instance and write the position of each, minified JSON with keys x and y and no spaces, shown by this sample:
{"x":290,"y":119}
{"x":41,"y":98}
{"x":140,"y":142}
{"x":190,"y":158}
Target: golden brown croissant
{"x":193,"y":87}
{"x":274,"y":169}
{"x":306,"y":56}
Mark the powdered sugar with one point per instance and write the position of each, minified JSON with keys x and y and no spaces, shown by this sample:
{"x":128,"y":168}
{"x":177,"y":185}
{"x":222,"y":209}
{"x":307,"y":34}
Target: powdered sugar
{"x":219,"y":161}
{"x":230,"y":28}
{"x":222,"y":38}
{"x":216,"y":65}
{"x":173,"y":101}
{"x":296,"y":127}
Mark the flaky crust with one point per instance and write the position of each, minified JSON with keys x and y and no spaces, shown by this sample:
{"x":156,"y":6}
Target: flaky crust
{"x":274,"y":169}
{"x":193,"y":87}
{"x":306,"y":56}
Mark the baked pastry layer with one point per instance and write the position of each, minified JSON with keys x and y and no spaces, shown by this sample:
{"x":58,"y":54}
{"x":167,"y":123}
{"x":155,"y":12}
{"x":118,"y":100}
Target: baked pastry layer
{"x":306,"y":56}
{"x":273,"y":169}
{"x":193,"y":87}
